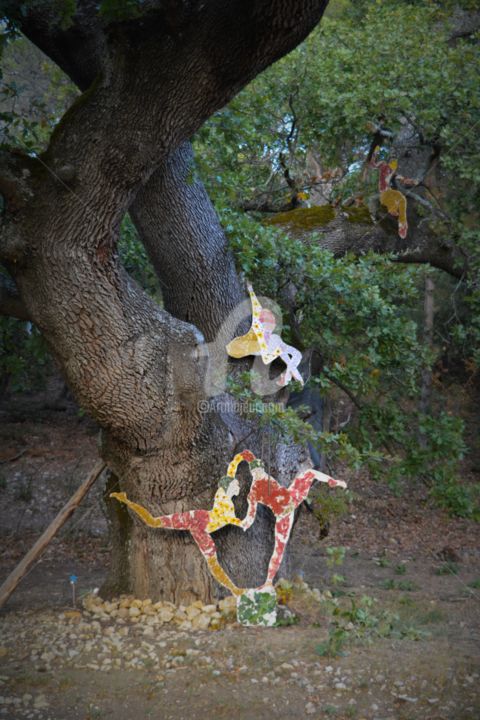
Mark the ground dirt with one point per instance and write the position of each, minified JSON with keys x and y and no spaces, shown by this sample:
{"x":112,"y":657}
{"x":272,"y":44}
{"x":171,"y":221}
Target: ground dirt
{"x":410,"y":651}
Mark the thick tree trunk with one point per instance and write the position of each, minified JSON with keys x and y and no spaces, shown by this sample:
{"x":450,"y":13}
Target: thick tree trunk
{"x":138,"y":372}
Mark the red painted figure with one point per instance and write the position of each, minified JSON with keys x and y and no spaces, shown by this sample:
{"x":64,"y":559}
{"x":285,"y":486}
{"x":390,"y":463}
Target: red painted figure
{"x":200,"y":524}
{"x":282,"y":502}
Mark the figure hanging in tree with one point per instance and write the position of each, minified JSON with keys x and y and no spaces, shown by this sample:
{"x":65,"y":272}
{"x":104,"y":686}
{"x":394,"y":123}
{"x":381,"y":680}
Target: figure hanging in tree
{"x":392,"y":199}
{"x":261,"y":340}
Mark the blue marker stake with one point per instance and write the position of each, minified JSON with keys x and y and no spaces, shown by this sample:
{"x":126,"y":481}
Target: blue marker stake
{"x":73,"y":580}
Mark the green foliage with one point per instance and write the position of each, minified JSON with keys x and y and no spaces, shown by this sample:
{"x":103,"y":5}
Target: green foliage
{"x":448,"y":568}
{"x":12,"y":13}
{"x":403,"y":585}
{"x":135,"y":259}
{"x":358,"y":620}
{"x":391,"y":60}
{"x":315,"y":108}
{"x":327,"y":505}
{"x":34,"y":94}
{"x":285,"y":423}
{"x":118,"y":10}
{"x":335,"y":556}
{"x":361,"y":313}
{"x":24,"y":356}
{"x":458,"y":499}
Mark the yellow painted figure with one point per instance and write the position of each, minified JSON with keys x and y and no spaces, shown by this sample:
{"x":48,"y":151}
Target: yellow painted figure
{"x":393,"y":200}
{"x":200,"y":523}
{"x":261,"y":340}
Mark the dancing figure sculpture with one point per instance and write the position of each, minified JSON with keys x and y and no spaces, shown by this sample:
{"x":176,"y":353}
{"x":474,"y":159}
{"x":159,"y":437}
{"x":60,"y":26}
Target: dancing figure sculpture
{"x":393,"y":200}
{"x":200,"y":523}
{"x":282,"y":501}
{"x":261,"y":340}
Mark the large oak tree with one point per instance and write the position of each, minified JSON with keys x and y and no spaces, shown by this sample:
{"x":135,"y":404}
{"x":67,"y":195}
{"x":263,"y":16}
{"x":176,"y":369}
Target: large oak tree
{"x":150,"y":74}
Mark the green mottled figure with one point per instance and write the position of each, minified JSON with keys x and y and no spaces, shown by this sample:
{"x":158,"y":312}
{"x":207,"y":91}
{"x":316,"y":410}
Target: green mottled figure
{"x":257,"y":607}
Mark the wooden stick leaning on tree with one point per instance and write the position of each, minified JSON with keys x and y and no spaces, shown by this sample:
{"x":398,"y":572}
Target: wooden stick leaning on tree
{"x":34,"y":553}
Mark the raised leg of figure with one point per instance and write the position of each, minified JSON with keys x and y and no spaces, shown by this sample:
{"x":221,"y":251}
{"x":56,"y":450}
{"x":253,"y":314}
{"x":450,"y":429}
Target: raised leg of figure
{"x":389,"y":198}
{"x":396,"y":204}
{"x":283,"y":528}
{"x":300,"y":486}
{"x":208,"y":549}
{"x":292,"y":358}
{"x":402,"y":216}
{"x":221,"y":576}
{"x":146,"y":516}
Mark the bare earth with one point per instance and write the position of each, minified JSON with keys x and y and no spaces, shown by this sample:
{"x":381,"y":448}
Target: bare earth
{"x":417,"y":565}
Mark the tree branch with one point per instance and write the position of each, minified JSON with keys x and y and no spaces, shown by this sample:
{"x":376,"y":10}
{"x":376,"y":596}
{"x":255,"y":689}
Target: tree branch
{"x":178,"y":79}
{"x":348,"y":234}
{"x":186,"y":244}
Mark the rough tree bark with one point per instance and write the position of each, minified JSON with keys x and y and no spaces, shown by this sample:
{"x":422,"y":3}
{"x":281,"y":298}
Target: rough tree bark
{"x":184,"y":239}
{"x":135,"y":368}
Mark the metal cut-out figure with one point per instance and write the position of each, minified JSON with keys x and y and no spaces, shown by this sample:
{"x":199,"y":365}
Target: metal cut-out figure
{"x":393,"y":200}
{"x":282,"y":502}
{"x":200,"y":524}
{"x":264,"y":490}
{"x":261,"y":340}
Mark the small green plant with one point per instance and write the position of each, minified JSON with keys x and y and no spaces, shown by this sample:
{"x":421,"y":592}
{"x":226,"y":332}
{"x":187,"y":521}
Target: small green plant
{"x":475,"y":584}
{"x":335,"y":556}
{"x":432,"y":616}
{"x":412,"y":633}
{"x":389,"y":584}
{"x":358,"y":621}
{"x":404,"y":585}
{"x":333,"y":646}
{"x":407,"y":586}
{"x":400,"y":569}
{"x":447,"y":568}
{"x":406,"y":601}
{"x":327,"y":505}
{"x":456,"y":498}
{"x":381,"y":561}
{"x":330,"y":710}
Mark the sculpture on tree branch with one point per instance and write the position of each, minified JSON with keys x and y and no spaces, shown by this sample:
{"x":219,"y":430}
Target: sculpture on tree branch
{"x":261,"y":340}
{"x":393,"y":200}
